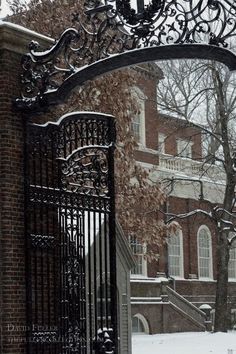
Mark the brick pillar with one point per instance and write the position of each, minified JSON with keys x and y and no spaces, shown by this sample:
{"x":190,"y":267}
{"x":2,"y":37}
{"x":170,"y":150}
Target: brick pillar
{"x":13,"y":42}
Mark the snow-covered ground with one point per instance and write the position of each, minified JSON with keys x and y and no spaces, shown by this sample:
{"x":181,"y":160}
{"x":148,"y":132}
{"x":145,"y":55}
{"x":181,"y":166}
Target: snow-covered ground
{"x":185,"y":343}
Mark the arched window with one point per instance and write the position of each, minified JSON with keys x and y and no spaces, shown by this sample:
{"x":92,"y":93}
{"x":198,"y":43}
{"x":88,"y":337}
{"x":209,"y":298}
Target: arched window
{"x":204,"y":252}
{"x":138,"y":121}
{"x":232,"y":258}
{"x":175,"y":254}
{"x":139,"y":324}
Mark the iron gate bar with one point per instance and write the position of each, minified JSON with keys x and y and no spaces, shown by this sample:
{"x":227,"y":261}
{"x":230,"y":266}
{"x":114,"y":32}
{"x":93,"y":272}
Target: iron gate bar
{"x":114,"y":35}
{"x":70,"y":235}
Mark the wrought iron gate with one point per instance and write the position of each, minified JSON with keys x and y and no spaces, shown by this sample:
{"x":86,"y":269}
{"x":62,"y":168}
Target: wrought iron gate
{"x":70,"y":222}
{"x":70,"y":236}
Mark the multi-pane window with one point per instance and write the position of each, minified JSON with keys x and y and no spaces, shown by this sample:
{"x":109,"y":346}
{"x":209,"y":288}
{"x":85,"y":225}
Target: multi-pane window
{"x":232,"y":263}
{"x":138,"y":250}
{"x":161,"y":143}
{"x":175,"y":254}
{"x":184,"y":148}
{"x":136,"y":127}
{"x":204,"y":253}
{"x":138,"y":121}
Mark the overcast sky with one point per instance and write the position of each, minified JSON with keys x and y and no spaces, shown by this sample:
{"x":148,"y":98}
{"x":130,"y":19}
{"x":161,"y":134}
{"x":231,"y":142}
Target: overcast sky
{"x":4,"y":8}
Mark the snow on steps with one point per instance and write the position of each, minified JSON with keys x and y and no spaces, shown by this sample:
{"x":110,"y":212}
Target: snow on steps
{"x":185,"y":307}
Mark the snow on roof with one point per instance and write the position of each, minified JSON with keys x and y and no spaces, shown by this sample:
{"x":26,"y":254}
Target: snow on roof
{"x":149,"y":280}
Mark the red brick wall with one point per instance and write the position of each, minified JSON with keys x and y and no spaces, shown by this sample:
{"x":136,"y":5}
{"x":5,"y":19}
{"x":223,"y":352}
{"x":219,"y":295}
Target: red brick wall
{"x":156,"y":123}
{"x":164,"y":318}
{"x":175,"y":129}
{"x":12,"y":209}
{"x":189,"y":227}
{"x":147,"y":83}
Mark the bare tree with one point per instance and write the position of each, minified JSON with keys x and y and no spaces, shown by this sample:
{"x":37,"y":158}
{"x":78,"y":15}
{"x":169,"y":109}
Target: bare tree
{"x":204,"y":93}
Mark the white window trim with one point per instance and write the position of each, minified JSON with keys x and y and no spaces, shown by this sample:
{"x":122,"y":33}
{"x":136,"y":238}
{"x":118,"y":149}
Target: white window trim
{"x":144,"y":265}
{"x":141,"y":98}
{"x":181,"y":276}
{"x":233,"y":279}
{"x":161,"y":143}
{"x":144,"y":322}
{"x":204,"y":227}
{"x":144,"y":273}
{"x":188,"y":143}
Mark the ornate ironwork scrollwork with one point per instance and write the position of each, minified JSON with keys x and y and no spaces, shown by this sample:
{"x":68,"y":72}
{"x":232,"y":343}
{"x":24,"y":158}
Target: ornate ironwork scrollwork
{"x":70,"y":233}
{"x":147,"y":13}
{"x":85,"y":171}
{"x":44,"y":336}
{"x":115,"y":27}
{"x":42,"y":241}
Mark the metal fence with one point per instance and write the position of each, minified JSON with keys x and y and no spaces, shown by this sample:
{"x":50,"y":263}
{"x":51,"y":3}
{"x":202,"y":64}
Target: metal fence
{"x":70,"y":235}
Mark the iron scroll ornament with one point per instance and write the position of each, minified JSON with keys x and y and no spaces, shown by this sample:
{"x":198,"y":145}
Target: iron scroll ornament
{"x":113,"y":35}
{"x":143,"y":14}
{"x":86,"y":171}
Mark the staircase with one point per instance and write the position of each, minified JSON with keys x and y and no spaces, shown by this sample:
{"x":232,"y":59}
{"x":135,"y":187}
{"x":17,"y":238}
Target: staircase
{"x":186,"y":308}
{"x":165,"y":309}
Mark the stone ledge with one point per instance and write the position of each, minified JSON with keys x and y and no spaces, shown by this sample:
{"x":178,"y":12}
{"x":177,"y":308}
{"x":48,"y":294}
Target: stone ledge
{"x":16,"y":38}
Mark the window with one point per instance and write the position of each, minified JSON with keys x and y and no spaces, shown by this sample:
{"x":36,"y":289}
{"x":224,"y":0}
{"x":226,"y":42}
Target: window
{"x":138,"y":250}
{"x":161,"y":143}
{"x":136,"y":127}
{"x":138,"y":122}
{"x":175,"y":254}
{"x":232,"y":262}
{"x":204,"y":253}
{"x":184,"y":148}
{"x":139,"y":324}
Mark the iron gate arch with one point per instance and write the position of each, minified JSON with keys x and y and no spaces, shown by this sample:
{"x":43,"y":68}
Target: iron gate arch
{"x":112,"y":36}
{"x":70,"y":235}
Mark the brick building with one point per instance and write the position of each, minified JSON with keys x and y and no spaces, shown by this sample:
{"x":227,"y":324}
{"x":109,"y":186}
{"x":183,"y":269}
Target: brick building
{"x":158,"y":304}
{"x":170,"y":294}
{"x":15,"y":306}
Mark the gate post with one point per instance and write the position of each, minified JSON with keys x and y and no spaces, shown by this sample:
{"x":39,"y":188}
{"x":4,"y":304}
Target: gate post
{"x":112,"y":227}
{"x":13,"y":43}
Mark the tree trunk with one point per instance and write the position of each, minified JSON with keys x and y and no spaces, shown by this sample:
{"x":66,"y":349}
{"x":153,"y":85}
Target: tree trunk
{"x":221,"y":313}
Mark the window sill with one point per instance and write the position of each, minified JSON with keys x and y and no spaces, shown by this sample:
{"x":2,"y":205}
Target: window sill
{"x":138,"y":276}
{"x":176,"y":277}
{"x":206,"y":279}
